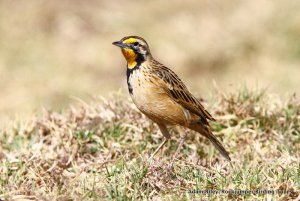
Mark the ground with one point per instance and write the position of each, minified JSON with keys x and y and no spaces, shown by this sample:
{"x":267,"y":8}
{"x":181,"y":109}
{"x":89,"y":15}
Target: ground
{"x":99,"y":150}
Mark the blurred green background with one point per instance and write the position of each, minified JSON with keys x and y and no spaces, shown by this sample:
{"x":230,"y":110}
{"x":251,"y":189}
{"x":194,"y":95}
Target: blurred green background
{"x":51,"y":51}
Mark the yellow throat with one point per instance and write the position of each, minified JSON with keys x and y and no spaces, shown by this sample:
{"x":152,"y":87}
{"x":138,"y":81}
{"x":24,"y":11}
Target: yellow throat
{"x":130,"y":57}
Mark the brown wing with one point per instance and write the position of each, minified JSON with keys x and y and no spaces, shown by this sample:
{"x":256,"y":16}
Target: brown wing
{"x":178,"y":91}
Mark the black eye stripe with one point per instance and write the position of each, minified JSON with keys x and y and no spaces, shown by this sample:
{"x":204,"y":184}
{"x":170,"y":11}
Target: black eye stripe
{"x":135,"y":43}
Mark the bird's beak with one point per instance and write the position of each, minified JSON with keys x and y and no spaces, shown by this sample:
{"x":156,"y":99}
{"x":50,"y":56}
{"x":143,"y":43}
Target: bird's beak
{"x":119,"y":44}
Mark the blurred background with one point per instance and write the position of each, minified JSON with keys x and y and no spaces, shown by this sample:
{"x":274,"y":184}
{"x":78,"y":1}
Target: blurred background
{"x":51,"y":51}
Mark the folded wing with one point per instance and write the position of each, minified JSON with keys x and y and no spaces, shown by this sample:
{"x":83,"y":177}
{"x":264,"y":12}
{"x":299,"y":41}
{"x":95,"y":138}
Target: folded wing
{"x":179,"y":92}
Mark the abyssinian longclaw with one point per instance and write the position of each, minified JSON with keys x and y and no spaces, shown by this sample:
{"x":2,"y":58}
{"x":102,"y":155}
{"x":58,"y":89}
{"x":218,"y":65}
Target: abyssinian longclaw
{"x":159,"y":93}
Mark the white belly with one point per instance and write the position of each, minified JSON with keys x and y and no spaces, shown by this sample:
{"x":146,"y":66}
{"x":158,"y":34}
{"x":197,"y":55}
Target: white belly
{"x":143,"y":92}
{"x":153,"y":100}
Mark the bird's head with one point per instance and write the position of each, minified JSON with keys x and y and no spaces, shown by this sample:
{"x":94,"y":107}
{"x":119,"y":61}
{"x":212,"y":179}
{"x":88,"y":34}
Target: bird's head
{"x":135,"y":50}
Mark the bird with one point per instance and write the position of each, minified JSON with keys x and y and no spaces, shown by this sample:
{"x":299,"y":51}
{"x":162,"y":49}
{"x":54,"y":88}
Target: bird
{"x":161,"y":95}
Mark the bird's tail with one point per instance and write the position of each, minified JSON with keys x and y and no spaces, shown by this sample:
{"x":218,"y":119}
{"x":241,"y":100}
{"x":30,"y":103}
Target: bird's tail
{"x":205,"y":131}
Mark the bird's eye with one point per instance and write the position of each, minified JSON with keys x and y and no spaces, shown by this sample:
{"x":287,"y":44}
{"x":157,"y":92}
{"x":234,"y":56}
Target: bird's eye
{"x":135,"y":44}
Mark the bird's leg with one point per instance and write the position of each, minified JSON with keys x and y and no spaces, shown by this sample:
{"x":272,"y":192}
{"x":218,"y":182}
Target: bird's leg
{"x":182,"y":138}
{"x":166,"y":135}
{"x":158,"y":148}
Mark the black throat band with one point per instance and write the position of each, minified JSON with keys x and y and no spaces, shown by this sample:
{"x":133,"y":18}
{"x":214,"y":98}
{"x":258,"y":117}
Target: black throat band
{"x":139,"y":60}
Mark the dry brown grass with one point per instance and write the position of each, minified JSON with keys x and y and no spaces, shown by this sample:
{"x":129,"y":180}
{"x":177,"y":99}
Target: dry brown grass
{"x":98,"y":150}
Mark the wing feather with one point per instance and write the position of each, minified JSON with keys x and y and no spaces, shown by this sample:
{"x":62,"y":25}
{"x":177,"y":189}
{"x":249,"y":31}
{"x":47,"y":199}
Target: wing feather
{"x":179,"y":92}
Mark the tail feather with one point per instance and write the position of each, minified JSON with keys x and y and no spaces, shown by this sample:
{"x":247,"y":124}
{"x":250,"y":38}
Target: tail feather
{"x":205,"y":131}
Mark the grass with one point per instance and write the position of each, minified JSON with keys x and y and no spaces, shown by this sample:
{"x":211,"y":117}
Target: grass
{"x":98,"y":150}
